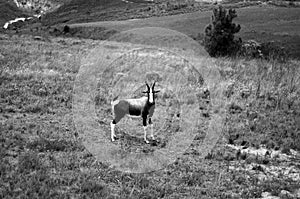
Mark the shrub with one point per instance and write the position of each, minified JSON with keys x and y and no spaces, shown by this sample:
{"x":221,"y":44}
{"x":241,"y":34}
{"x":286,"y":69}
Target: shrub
{"x":251,"y":49}
{"x":274,"y":51}
{"x":268,"y":50}
{"x":219,"y":36}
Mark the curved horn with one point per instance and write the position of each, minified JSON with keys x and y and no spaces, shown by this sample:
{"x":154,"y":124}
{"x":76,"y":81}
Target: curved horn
{"x":147,"y":85}
{"x":153,"y":85}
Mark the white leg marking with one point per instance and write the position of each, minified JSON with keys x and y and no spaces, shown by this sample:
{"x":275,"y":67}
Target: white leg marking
{"x":112,"y":126}
{"x":152,"y":136}
{"x":145,"y":135}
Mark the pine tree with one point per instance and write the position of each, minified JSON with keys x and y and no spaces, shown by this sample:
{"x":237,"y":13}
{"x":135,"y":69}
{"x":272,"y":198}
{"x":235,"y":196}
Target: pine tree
{"x":219,"y":36}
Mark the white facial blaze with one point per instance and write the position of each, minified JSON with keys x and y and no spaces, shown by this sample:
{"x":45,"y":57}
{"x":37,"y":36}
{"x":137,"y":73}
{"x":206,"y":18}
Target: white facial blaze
{"x":151,"y":96}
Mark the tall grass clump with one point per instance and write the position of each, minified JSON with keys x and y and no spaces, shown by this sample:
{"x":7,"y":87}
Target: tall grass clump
{"x":264,"y":96}
{"x":274,"y":51}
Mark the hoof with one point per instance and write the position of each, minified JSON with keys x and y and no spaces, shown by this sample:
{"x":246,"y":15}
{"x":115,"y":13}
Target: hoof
{"x":113,"y":138}
{"x":154,"y":143}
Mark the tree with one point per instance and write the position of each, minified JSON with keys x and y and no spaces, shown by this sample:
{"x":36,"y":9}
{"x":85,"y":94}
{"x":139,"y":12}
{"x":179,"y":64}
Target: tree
{"x":219,"y":36}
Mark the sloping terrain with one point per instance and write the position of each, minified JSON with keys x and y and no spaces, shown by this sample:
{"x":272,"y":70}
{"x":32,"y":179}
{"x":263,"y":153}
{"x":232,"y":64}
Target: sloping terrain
{"x":103,"y":10}
{"x":39,"y":6}
{"x":9,"y":11}
{"x":92,"y":10}
{"x":261,"y":23}
{"x":61,"y":11}
{"x":42,"y":156}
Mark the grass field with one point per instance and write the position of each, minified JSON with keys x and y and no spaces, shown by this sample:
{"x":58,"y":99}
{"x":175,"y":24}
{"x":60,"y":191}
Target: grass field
{"x":262,"y":23}
{"x":44,"y":153}
{"x":43,"y":157}
{"x":80,"y":10}
{"x":9,"y":11}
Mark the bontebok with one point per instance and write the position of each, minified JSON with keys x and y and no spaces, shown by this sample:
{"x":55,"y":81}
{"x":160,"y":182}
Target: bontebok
{"x":141,"y":107}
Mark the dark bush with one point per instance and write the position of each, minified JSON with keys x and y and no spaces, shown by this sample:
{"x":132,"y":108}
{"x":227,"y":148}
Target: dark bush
{"x":66,"y":29}
{"x":268,"y":50}
{"x":219,"y":36}
{"x":274,"y":51}
{"x":251,"y":49}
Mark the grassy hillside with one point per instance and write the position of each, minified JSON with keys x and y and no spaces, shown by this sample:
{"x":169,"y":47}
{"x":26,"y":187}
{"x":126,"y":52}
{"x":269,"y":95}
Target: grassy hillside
{"x":92,"y":10}
{"x":42,"y":156}
{"x":9,"y":11}
{"x":261,"y":23}
{"x":103,"y":10}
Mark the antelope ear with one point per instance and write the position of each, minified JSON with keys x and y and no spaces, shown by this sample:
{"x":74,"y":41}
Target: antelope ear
{"x":156,"y":91}
{"x":145,"y":92}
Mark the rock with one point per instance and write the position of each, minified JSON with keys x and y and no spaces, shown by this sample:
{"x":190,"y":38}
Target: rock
{"x":39,"y":38}
{"x":243,"y":156}
{"x":297,"y":193}
{"x":235,"y":108}
{"x":265,"y":194}
{"x":40,"y":7}
{"x":272,"y":197}
{"x":268,"y":195}
{"x":258,"y":168}
{"x":204,"y":93}
{"x":262,"y":177}
{"x":245,"y":93}
{"x":229,"y":156}
{"x":286,"y":195}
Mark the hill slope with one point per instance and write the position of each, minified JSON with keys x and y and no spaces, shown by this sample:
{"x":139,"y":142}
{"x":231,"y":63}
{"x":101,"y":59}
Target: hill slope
{"x":262,"y":23}
{"x":91,"y":10}
{"x":9,"y":11}
{"x":41,"y":156}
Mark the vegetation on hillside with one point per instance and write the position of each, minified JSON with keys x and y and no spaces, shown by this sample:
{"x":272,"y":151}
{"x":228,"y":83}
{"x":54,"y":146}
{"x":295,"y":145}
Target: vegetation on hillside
{"x":42,"y":157}
{"x":219,"y":40}
{"x":9,"y":11}
{"x":279,"y":32}
{"x":219,"y":35}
